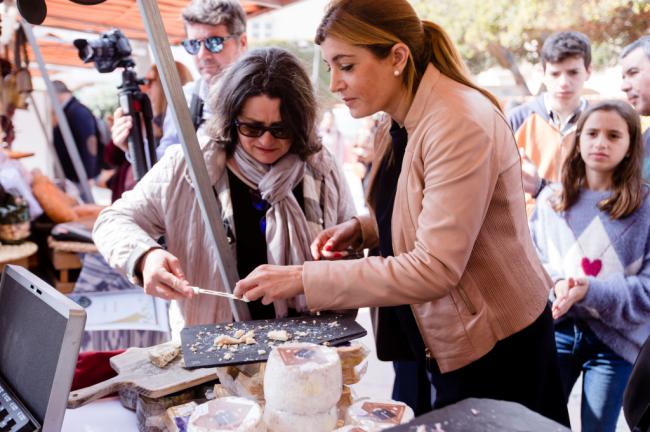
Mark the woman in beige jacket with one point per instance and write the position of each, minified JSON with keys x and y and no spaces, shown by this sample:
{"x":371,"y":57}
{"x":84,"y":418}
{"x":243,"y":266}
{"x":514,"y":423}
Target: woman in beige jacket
{"x":277,"y":187}
{"x":448,"y":216}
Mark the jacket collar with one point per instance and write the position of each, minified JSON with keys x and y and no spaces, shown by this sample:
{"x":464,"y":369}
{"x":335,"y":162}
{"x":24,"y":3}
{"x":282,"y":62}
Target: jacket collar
{"x":423,"y":98}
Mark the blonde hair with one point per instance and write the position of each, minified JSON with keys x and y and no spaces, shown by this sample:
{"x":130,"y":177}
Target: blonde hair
{"x":380,"y":24}
{"x":185,"y":77}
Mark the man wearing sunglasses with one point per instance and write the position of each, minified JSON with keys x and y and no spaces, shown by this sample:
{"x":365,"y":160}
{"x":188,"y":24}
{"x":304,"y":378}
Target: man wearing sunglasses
{"x":216,"y":37}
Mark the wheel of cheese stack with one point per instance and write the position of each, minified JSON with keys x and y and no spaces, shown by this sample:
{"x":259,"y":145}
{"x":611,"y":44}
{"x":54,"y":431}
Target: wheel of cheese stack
{"x":374,"y":415}
{"x":282,"y":421}
{"x":227,"y":414}
{"x":302,"y":378}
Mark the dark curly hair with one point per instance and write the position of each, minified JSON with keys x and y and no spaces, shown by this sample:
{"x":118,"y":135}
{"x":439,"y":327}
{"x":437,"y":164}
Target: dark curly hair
{"x":276,"y":73}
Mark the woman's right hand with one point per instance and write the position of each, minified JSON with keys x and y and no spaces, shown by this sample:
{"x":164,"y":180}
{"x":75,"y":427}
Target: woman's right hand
{"x":335,"y":242}
{"x":162,"y":275}
{"x":121,"y":129}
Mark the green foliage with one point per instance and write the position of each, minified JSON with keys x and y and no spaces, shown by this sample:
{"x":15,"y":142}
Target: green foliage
{"x":522,"y":25}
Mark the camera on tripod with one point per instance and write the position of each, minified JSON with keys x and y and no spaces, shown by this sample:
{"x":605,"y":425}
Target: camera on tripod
{"x":110,"y":51}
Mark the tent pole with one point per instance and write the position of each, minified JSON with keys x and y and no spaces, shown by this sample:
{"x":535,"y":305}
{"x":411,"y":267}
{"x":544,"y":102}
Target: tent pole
{"x":210,"y":207}
{"x":66,"y":132}
{"x":58,"y":169}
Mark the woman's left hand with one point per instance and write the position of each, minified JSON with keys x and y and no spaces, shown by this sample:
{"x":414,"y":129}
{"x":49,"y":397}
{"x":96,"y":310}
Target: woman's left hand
{"x":271,"y":283}
{"x":575,"y":292}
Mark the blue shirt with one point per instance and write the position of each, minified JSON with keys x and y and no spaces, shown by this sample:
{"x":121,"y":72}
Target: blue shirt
{"x":170,"y":133}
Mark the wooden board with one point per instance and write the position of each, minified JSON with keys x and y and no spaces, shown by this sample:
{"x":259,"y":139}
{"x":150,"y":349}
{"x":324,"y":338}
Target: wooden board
{"x":198,"y":341}
{"x":135,"y":371}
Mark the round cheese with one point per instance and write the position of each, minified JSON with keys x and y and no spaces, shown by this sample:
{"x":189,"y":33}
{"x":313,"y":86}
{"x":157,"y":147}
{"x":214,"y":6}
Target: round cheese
{"x":302,"y":378}
{"x":374,"y":415}
{"x":282,"y":421}
{"x":227,"y":414}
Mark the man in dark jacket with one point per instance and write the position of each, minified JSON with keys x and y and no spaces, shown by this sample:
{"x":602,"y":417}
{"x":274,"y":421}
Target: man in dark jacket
{"x":84,"y":131}
{"x":635,"y":65}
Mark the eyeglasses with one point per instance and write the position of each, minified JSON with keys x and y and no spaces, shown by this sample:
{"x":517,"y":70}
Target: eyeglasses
{"x":253,"y":130}
{"x":214,"y":44}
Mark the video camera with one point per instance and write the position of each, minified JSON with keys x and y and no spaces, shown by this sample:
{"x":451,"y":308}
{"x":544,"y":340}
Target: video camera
{"x":110,"y":51}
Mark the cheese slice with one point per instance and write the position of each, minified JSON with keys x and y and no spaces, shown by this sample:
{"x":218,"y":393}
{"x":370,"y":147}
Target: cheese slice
{"x":227,"y":414}
{"x":161,"y":355}
{"x":282,"y":421}
{"x":375,"y":415}
{"x":302,"y":378}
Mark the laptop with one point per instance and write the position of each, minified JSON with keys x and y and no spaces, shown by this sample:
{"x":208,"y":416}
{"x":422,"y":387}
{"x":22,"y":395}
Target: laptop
{"x":40,"y":335}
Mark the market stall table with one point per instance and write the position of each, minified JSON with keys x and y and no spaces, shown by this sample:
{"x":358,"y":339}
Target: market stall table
{"x":65,"y":259}
{"x":17,"y":254}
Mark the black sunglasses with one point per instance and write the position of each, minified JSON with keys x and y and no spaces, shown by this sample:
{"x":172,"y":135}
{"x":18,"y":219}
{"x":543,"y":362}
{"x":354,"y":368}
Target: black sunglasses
{"x":214,"y":44}
{"x":253,"y":130}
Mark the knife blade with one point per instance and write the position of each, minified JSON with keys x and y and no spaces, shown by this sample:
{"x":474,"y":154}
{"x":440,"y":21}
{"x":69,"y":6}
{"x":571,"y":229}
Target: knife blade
{"x":198,"y":290}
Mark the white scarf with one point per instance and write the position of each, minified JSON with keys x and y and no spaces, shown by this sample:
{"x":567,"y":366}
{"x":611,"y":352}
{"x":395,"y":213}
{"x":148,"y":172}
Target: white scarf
{"x":287,"y":232}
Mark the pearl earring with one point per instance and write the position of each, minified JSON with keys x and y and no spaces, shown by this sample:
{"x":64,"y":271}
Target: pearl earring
{"x":396,"y":72}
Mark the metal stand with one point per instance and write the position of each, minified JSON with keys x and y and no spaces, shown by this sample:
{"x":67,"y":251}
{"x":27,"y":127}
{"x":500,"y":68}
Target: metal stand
{"x":210,"y":208}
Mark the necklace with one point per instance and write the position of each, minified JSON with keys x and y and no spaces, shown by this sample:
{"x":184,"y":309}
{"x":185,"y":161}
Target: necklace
{"x":592,"y":267}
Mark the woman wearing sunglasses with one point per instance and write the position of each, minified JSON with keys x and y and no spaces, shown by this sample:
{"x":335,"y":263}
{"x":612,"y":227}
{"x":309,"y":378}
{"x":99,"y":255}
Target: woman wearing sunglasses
{"x":277,"y":186}
{"x":458,"y":279}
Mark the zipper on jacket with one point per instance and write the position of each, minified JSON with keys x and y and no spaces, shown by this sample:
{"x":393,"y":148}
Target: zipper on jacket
{"x":465,"y":298}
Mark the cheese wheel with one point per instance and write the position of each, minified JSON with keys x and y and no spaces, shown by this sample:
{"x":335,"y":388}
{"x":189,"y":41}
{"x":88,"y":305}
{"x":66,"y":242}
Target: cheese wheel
{"x":375,"y":415}
{"x":282,"y":421}
{"x":227,"y":414}
{"x":302,"y":378}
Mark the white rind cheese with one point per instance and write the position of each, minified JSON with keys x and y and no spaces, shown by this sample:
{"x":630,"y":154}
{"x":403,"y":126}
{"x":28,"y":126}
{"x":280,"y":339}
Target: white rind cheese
{"x":282,"y":421}
{"x":375,"y":415}
{"x":302,"y":378}
{"x":227,"y":414}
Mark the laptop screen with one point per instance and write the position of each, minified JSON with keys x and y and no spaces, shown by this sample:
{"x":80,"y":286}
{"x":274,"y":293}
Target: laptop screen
{"x":40,"y":335}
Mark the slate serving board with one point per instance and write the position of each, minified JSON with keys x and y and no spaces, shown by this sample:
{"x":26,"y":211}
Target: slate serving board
{"x":485,"y":415}
{"x":198,"y":342}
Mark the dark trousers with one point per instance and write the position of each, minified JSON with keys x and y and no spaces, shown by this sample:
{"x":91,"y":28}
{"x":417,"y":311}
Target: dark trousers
{"x":522,"y":368}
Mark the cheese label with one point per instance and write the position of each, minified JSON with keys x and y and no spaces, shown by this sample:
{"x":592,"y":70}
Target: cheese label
{"x":301,"y":355}
{"x":384,"y":413}
{"x":224,"y":416}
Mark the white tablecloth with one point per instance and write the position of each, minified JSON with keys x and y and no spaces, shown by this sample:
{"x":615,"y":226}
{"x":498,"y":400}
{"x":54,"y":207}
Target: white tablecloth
{"x":103,"y":415}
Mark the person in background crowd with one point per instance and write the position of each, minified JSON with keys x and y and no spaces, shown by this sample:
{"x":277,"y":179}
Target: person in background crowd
{"x":277,"y":187}
{"x":544,"y":127}
{"x":153,"y":89}
{"x":115,"y":155}
{"x":592,"y":232}
{"x":216,"y":37}
{"x":458,"y":280}
{"x":84,"y":131}
{"x":635,"y":65}
{"x":332,"y":137}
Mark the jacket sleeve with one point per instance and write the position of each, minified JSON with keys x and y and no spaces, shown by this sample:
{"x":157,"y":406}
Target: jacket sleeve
{"x":129,"y":228}
{"x":460,"y":173}
{"x":621,"y":299}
